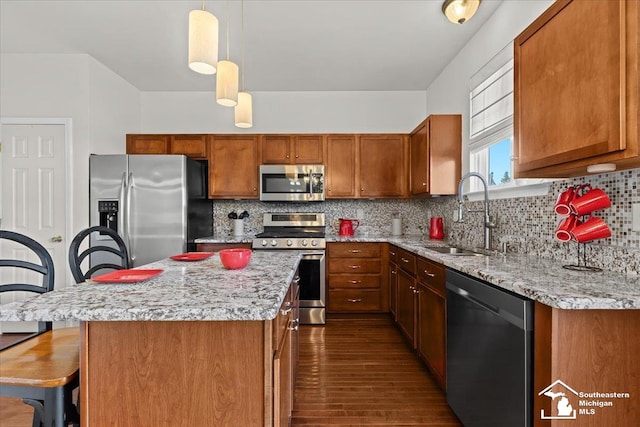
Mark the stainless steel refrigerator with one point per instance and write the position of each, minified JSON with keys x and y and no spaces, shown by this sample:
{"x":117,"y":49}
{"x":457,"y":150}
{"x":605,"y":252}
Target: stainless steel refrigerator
{"x":157,"y":203}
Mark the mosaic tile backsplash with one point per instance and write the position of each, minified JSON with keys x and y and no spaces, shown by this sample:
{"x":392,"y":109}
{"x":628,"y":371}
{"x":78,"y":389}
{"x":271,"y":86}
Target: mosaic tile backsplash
{"x":526,"y":224}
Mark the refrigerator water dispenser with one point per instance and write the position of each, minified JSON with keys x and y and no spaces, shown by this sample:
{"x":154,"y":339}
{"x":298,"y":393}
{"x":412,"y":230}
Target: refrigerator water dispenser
{"x":108,"y":211}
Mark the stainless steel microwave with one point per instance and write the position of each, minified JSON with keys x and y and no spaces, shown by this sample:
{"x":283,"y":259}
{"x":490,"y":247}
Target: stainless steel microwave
{"x":292,"y":183}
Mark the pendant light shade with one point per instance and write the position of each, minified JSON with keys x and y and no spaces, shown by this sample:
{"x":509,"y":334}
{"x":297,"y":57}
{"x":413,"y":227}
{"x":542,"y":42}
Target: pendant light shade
{"x":460,"y":11}
{"x":203,"y":42}
{"x":244,"y":110}
{"x":227,"y":84}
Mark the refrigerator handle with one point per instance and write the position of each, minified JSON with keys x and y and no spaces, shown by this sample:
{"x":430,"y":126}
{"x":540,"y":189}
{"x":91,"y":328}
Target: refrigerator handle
{"x":121,"y":199}
{"x":128,"y":216}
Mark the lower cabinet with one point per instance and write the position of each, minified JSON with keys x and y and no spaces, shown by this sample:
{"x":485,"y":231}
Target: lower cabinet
{"x":393,"y":281}
{"x":357,"y":277}
{"x":421,"y":309}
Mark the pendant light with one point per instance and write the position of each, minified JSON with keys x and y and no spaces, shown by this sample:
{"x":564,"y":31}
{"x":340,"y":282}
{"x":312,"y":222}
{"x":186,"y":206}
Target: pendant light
{"x":227,"y":79}
{"x":203,"y":41}
{"x":460,"y":11}
{"x":244,"y":110}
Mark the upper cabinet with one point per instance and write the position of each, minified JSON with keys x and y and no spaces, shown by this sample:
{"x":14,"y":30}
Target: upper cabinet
{"x":191,"y":145}
{"x":292,"y":149}
{"x":147,"y":144}
{"x":576,"y":89}
{"x":366,"y":166}
{"x":436,"y":155}
{"x":233,"y":167}
{"x":383,"y":166}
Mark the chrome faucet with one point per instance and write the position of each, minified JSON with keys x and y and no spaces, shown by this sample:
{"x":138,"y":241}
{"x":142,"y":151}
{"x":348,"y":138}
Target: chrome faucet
{"x":488,"y":224}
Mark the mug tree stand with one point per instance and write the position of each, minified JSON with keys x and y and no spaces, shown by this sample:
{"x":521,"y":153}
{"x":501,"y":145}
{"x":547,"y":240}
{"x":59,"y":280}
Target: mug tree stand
{"x":582,"y":261}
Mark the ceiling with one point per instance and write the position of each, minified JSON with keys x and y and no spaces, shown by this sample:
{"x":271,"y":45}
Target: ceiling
{"x":290,"y":45}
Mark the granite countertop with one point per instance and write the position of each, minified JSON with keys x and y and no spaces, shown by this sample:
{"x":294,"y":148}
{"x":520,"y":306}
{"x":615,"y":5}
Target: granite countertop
{"x":540,"y":279}
{"x":201,"y":290}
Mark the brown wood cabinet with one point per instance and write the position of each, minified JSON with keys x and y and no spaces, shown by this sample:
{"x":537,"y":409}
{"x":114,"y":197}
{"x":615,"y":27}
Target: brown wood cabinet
{"x":406,"y":295}
{"x":383,"y":166}
{"x":147,"y":144}
{"x":576,"y":104}
{"x":356,"y":277}
{"x":292,"y":149}
{"x":233,"y":167}
{"x":340,"y":171}
{"x":393,"y":281}
{"x":194,"y":146}
{"x":431,"y":328}
{"x":436,"y":155}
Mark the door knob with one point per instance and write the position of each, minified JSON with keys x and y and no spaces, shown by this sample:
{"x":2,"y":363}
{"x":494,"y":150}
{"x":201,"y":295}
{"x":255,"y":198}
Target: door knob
{"x":56,"y":239}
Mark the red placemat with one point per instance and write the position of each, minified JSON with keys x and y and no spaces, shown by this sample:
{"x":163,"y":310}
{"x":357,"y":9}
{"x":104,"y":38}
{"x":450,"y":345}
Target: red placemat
{"x":126,"y":276}
{"x":192,"y":256}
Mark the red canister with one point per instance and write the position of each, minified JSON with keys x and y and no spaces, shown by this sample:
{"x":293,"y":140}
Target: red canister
{"x":436,"y":228}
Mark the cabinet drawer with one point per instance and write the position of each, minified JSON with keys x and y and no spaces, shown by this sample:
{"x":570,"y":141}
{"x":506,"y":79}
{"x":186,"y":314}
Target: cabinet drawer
{"x":407,"y":261}
{"x":393,"y":254}
{"x":432,"y":274}
{"x":216,"y":247}
{"x":354,"y":265}
{"x":355,"y":250}
{"x":354,"y":300}
{"x":353,"y":281}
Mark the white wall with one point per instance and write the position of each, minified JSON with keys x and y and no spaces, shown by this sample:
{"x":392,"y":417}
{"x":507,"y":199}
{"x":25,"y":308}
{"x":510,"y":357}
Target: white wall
{"x":102,"y":106}
{"x":295,"y":112}
{"x":449,"y":93}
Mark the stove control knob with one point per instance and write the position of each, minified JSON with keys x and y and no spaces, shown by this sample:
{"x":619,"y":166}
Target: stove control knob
{"x":274,"y":243}
{"x":305,"y":242}
{"x":289,"y":242}
{"x":263,"y":243}
{"x":314,"y":243}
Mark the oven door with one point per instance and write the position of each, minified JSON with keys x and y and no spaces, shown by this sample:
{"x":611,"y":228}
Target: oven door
{"x":312,"y":288}
{"x":291,"y":183}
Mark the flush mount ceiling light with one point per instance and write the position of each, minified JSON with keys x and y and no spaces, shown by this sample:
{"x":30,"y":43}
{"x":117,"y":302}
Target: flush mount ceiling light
{"x":460,"y":11}
{"x":203,"y":41}
{"x":244,"y":110}
{"x":227,"y":80}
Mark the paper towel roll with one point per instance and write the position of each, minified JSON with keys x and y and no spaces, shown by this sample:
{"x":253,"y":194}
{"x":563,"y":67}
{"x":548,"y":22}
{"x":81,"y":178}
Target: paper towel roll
{"x":238,"y":227}
{"x":396,"y":226}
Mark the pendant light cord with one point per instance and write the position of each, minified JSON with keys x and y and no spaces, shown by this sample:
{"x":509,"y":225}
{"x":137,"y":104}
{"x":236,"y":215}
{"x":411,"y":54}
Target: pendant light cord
{"x":202,"y":4}
{"x":227,"y":30}
{"x":242,"y":40}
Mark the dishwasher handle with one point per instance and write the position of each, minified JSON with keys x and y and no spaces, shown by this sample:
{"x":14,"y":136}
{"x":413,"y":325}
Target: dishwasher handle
{"x":518,"y":321}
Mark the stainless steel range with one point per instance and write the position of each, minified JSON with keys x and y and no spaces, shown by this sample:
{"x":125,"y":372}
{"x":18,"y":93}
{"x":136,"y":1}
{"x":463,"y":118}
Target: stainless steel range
{"x":302,"y":231}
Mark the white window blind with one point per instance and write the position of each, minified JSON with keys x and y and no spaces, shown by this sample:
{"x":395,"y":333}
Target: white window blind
{"x":491,"y":101}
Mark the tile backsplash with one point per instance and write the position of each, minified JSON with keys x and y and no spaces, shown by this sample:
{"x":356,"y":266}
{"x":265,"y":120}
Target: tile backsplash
{"x":527,"y":224}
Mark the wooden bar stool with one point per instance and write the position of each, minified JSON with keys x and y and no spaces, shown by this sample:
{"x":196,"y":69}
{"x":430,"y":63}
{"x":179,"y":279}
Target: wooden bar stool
{"x":43,"y":368}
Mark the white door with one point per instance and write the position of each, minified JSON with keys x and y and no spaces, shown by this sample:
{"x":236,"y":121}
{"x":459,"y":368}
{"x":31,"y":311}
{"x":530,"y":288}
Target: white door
{"x":33,"y":199}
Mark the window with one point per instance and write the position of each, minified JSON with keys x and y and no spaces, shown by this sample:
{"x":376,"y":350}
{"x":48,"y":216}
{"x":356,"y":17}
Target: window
{"x":491,"y":124}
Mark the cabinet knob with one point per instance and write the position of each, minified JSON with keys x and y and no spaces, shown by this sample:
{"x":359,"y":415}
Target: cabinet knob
{"x":424,"y":184}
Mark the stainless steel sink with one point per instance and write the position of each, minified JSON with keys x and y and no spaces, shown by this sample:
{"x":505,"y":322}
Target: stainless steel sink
{"x":452,"y":250}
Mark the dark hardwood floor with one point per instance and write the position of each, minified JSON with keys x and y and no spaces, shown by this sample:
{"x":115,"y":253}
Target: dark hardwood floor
{"x":355,"y":371}
{"x":358,"y":371}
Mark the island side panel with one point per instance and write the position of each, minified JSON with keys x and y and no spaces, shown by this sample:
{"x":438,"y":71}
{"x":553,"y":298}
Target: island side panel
{"x":594,"y":351}
{"x":173,"y":373}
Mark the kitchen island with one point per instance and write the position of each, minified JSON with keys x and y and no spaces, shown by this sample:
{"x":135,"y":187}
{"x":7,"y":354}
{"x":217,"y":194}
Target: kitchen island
{"x":197,"y":345}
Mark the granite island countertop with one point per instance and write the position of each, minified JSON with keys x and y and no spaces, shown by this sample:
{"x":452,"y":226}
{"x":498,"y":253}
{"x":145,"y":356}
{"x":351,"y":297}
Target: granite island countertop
{"x":541,"y":279}
{"x":201,"y":290}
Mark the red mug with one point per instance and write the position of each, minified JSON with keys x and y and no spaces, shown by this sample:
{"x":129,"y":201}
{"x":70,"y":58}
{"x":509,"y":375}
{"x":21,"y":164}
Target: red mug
{"x":562,"y":204}
{"x":592,"y":229}
{"x":593,"y":200}
{"x":566,"y":226}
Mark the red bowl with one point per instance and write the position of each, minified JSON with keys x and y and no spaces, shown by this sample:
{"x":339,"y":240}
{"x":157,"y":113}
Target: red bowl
{"x":234,"y":259}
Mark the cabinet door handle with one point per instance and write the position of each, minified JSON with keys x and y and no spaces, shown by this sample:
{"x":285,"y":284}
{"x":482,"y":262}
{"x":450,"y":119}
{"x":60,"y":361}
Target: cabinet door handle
{"x":429,"y":274}
{"x":405,"y":260}
{"x":354,"y":266}
{"x":412,"y":287}
{"x":392,"y":253}
{"x":393,"y":272}
{"x":285,"y":312}
{"x":293,"y":328}
{"x":355,"y":281}
{"x":355,"y":251}
{"x":354,"y":300}
{"x":416,"y":291}
{"x":296,"y":279}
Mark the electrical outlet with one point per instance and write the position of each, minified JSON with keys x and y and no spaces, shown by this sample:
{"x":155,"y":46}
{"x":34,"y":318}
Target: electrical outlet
{"x":635,"y":217}
{"x":455,"y":215}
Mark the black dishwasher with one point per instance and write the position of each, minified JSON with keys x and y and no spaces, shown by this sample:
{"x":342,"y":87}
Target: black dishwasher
{"x":489,"y":353}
